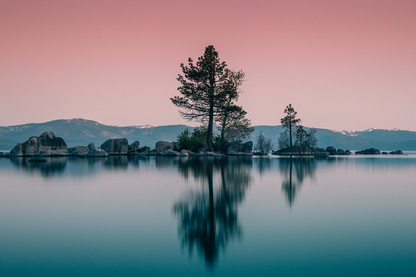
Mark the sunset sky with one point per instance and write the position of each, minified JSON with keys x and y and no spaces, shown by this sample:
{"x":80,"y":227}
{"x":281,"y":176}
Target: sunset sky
{"x":342,"y":64}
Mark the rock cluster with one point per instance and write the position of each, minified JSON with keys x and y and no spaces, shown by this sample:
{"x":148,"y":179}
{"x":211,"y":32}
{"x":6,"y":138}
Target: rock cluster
{"x":47,"y":145}
{"x":369,"y":151}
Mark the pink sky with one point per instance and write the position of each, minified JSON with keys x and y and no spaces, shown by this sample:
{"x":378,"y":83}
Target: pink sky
{"x":342,"y":64}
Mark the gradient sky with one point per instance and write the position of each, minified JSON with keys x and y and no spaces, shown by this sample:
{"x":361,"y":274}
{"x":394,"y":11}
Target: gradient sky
{"x":346,"y":64}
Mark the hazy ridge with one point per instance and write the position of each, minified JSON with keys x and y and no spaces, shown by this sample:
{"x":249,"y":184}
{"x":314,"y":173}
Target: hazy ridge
{"x":82,"y":132}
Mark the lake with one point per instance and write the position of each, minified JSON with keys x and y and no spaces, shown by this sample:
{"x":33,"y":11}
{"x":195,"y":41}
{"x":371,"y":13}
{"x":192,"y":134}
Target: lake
{"x":156,"y":216}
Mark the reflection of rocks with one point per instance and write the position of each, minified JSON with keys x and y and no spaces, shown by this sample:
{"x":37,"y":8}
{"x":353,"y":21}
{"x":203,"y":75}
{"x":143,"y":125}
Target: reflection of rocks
{"x":47,"y":141}
{"x":207,"y":216}
{"x":49,"y":168}
{"x":117,"y":162}
{"x":294,"y":172}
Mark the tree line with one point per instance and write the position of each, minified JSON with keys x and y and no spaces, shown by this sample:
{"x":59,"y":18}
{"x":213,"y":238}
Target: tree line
{"x":208,"y":94}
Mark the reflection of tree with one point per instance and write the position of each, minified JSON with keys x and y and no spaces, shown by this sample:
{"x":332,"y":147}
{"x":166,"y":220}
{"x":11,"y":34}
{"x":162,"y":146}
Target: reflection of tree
{"x":263,"y":164}
{"x":295,"y":170}
{"x":208,"y":217}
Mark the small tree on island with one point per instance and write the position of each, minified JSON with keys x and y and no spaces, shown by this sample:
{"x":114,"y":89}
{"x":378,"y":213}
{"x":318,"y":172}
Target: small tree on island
{"x":264,"y":145}
{"x":303,"y":139}
{"x":290,"y":121}
{"x":209,"y":91}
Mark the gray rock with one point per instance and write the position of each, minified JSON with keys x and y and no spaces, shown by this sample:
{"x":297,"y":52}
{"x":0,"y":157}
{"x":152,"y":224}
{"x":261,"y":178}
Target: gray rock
{"x":163,"y":146}
{"x":321,"y":155}
{"x":184,"y":153}
{"x":340,"y":152}
{"x":118,"y":146}
{"x":134,"y":147}
{"x":145,"y":150}
{"x":78,"y":151}
{"x":93,"y":152}
{"x":54,"y":153}
{"x":171,"y":153}
{"x":240,"y":148}
{"x":331,"y":150}
{"x":34,"y":145}
{"x":371,"y":151}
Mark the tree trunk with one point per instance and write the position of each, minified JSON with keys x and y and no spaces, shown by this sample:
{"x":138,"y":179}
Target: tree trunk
{"x":210,"y":123}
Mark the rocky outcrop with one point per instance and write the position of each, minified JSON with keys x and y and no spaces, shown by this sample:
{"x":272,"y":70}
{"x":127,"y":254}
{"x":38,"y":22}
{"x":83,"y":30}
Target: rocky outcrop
{"x":321,"y":155}
{"x":370,"y":151}
{"x":93,"y":152}
{"x":133,"y":148}
{"x":170,"y":152}
{"x":118,"y":146}
{"x":54,"y":153}
{"x":35,"y":145}
{"x":343,"y":152}
{"x":240,"y":149}
{"x":80,"y":151}
{"x":145,"y":150}
{"x":163,"y":146}
{"x":331,"y":150}
{"x":396,"y":152}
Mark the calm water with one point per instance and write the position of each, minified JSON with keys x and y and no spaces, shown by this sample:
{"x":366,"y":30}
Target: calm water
{"x":120,"y":216}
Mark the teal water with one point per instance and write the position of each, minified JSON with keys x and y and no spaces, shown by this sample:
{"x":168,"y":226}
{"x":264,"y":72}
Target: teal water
{"x":131,"y":216}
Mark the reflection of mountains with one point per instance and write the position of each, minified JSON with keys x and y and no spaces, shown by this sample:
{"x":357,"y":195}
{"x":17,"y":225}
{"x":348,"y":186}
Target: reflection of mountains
{"x":207,"y":215}
{"x":295,"y":171}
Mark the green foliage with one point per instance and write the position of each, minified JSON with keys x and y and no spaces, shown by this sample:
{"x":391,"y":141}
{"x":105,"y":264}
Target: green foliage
{"x":193,"y":141}
{"x":290,"y":121}
{"x":198,"y":88}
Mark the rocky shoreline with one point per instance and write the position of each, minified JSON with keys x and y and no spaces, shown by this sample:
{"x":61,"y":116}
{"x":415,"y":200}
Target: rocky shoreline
{"x":48,"y":145}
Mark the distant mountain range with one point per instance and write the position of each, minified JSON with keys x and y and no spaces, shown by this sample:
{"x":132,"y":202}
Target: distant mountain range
{"x":79,"y":131}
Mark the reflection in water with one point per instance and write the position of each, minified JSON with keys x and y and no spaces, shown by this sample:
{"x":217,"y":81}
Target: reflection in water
{"x":52,"y":167}
{"x":295,"y":170}
{"x":57,"y":166}
{"x":207,"y":216}
{"x":263,"y":164}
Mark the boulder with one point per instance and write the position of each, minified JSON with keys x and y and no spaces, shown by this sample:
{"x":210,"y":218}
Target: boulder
{"x":78,"y":151}
{"x":396,"y":152}
{"x":340,"y":152}
{"x":163,"y":146}
{"x":347,"y":152}
{"x":184,"y":153}
{"x":240,"y":148}
{"x":134,"y":147}
{"x":321,"y":155}
{"x":145,"y":150}
{"x":118,"y":146}
{"x":54,"y":153}
{"x":371,"y":151}
{"x":385,"y":153}
{"x":331,"y":150}
{"x":34,"y":145}
{"x":93,"y":152}
{"x":171,"y":153}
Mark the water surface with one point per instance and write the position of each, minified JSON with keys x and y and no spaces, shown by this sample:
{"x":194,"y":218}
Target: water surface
{"x":132,"y":216}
